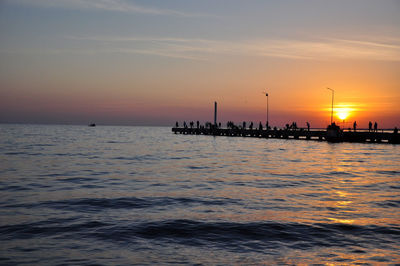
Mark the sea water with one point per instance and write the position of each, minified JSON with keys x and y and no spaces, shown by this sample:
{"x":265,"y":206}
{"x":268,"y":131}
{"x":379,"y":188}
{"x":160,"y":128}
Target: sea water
{"x":142,"y":195}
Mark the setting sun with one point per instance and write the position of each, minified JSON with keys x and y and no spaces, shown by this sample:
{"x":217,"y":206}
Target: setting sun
{"x":343,"y":114}
{"x":345,"y":110}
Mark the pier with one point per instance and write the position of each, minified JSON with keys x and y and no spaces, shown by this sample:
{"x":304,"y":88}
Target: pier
{"x":298,"y":134}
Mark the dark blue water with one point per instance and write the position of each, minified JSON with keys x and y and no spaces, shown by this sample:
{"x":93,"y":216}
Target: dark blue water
{"x":133,"y":195}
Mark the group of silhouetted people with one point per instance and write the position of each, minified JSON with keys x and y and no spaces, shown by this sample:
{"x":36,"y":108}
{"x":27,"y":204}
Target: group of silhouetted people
{"x":231,"y":125}
{"x":198,"y":125}
{"x":370,"y":127}
{"x":292,"y":126}
{"x":191,"y":124}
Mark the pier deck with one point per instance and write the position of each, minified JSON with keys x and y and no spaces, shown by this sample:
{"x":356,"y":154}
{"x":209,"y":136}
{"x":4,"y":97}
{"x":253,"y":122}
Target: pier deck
{"x":347,"y":136}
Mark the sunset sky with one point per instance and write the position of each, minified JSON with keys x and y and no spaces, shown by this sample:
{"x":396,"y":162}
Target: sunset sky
{"x":123,"y":62}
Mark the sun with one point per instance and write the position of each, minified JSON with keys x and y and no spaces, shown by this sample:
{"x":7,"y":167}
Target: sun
{"x":342,"y":113}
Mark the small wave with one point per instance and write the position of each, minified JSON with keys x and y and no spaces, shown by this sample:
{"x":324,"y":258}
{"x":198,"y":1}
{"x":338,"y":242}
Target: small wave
{"x":391,"y":173}
{"x":41,"y":145}
{"x":77,"y":179}
{"x":64,"y":176}
{"x":45,"y":228}
{"x":64,"y":154}
{"x":14,"y":188}
{"x":39,"y":185}
{"x":116,"y":142}
{"x":99,"y":204}
{"x":180,"y":158}
{"x":17,"y":153}
{"x":158,"y":185}
{"x":139,"y":158}
{"x":341,"y":173}
{"x":72,"y":155}
{"x":238,"y":173}
{"x":388,"y":204}
{"x":256,"y":236}
{"x":352,"y":161}
{"x":192,"y":167}
{"x":101,"y":173}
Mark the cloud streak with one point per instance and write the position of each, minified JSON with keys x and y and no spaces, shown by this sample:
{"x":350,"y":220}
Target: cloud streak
{"x":205,"y":49}
{"x":107,"y":5}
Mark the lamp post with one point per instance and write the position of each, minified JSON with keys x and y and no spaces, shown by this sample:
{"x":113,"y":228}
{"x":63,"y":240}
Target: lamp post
{"x":215,"y":113}
{"x":266,"y":94}
{"x":333,"y":93}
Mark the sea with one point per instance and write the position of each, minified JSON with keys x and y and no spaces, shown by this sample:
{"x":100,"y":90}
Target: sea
{"x":110,"y":195}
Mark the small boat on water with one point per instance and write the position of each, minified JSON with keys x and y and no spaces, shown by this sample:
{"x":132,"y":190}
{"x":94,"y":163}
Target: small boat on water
{"x":92,"y":125}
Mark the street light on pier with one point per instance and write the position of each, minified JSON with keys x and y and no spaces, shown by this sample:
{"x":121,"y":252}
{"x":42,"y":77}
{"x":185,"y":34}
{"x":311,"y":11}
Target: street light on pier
{"x":333,"y":93}
{"x":266,"y":94}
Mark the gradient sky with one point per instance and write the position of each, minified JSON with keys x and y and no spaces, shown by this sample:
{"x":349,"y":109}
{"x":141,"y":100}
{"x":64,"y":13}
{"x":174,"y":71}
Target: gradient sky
{"x":153,"y":62}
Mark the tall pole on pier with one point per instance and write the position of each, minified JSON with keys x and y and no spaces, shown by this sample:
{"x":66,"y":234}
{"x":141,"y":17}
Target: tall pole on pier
{"x":333,"y":93}
{"x":215,"y":113}
{"x":266,"y":94}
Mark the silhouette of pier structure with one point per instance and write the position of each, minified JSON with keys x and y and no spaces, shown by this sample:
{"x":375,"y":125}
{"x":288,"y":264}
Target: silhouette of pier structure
{"x":333,"y":133}
{"x":319,"y":134}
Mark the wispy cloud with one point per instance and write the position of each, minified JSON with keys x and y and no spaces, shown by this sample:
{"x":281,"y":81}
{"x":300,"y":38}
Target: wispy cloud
{"x":107,"y":5}
{"x":323,"y":49}
{"x":204,"y":49}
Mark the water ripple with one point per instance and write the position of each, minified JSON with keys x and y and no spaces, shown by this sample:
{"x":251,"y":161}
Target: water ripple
{"x":118,"y":195}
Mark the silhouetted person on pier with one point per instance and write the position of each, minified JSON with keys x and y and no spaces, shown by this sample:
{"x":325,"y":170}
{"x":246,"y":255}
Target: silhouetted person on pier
{"x":244,"y":124}
{"x":266,"y":126}
{"x":260,"y":127}
{"x":395,"y":130}
{"x":376,"y":127}
{"x":176,"y":124}
{"x":198,"y":124}
{"x":251,"y":126}
{"x":355,"y":126}
{"x":308,"y":126}
{"x":219,"y":124}
{"x":369,"y":126}
{"x":184,"y":124}
{"x":231,"y":125}
{"x":191,"y":124}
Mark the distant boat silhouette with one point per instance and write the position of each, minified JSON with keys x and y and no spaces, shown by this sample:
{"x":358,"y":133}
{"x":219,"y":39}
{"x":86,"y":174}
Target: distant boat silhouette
{"x":92,"y":125}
